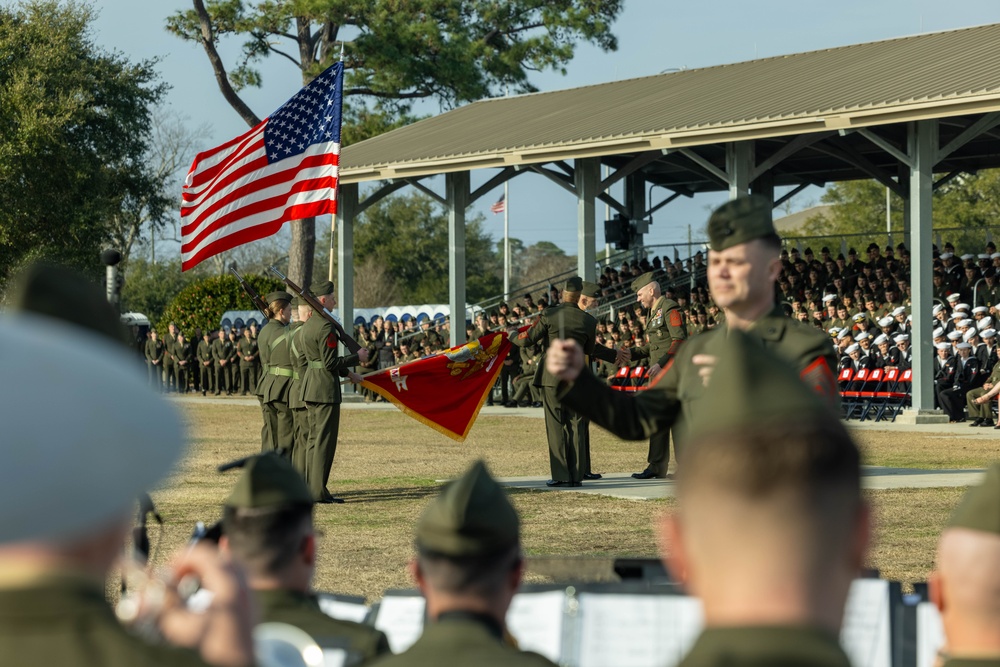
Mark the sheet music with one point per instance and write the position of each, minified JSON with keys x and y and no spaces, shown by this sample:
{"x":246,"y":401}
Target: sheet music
{"x":865,"y":634}
{"x":930,"y":634}
{"x":401,"y":618}
{"x":344,"y":611}
{"x":619,"y":630}
{"x":334,"y":657}
{"x":536,"y":622}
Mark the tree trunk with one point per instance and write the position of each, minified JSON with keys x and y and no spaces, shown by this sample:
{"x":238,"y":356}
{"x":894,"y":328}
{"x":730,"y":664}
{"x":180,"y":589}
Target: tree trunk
{"x":301,"y":251}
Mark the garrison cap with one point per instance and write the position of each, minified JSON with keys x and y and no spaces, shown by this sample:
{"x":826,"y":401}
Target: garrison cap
{"x":269,"y":481}
{"x":470,"y":517}
{"x":642,"y":281}
{"x":593,"y":290}
{"x":278,"y":296}
{"x":62,"y":293}
{"x":322,"y":287}
{"x":755,"y":385}
{"x":979,"y":508}
{"x":574,"y":284}
{"x":114,"y":439}
{"x":298,"y":301}
{"x":739,"y":221}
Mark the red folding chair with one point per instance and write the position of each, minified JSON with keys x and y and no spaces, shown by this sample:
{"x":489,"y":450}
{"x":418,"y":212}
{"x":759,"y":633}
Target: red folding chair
{"x":852,"y":395}
{"x":870,"y":391}
{"x":621,"y":378}
{"x":898,"y":396}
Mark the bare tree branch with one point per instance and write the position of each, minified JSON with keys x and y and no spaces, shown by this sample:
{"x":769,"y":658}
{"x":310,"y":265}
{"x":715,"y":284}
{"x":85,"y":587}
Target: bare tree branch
{"x":208,"y":42}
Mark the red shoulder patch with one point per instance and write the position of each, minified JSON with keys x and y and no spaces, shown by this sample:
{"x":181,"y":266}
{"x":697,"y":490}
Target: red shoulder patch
{"x":331,"y":341}
{"x":675,"y":318}
{"x":819,"y":377}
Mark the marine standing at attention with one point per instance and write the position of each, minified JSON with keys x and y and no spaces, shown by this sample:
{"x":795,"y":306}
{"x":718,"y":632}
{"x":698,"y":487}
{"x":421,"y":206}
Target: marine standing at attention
{"x":666,"y":331}
{"x":743,"y":265}
{"x":275,"y":384}
{"x":321,"y":391}
{"x":564,"y":427}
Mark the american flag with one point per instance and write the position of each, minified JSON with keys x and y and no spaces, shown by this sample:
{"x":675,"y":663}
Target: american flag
{"x":500,"y":205}
{"x":285,"y":168}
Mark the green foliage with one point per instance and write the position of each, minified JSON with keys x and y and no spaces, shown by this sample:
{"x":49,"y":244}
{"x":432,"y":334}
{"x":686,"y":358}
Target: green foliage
{"x":409,"y":236}
{"x":201,"y":304}
{"x":73,"y":139}
{"x":964,"y":209}
{"x":149,"y":288}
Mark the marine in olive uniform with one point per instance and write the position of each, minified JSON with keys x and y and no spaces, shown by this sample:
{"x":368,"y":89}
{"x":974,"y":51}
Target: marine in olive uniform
{"x":300,"y":416}
{"x":564,"y":427}
{"x":965,"y":585}
{"x":468,"y":567}
{"x":204,"y":358}
{"x":321,"y":391}
{"x":743,"y":266}
{"x":248,"y":353}
{"x":277,"y":434}
{"x":769,"y":498}
{"x":268,"y":529}
{"x":55,"y":559}
{"x":222,"y":350}
{"x":155,"y":352}
{"x":666,"y":331}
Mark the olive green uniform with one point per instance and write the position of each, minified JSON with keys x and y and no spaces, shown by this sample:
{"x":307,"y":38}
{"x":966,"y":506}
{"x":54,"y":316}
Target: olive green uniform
{"x":274,"y":387}
{"x":666,"y":404}
{"x":155,"y":352}
{"x":766,"y":646}
{"x":564,"y":427}
{"x":183,"y":358}
{"x":169,"y":369}
{"x":222,"y":350}
{"x":300,"y":416}
{"x":247,"y":347}
{"x":362,"y":643}
{"x":463,"y":639}
{"x":665,"y":328}
{"x":204,"y":355}
{"x":983,"y":411}
{"x":65,"y":620}
{"x":321,"y":393}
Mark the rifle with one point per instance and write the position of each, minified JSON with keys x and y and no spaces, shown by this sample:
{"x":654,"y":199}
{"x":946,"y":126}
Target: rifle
{"x":349,"y":342}
{"x":254,"y":297}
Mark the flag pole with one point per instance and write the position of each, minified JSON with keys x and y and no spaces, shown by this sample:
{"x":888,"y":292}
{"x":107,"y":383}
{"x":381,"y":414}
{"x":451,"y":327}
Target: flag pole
{"x":333,"y":217}
{"x":506,"y":242}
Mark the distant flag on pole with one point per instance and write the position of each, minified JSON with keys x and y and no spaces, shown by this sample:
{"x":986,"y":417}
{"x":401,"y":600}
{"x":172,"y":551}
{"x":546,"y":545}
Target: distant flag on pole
{"x":286,"y":168}
{"x":500,"y":205}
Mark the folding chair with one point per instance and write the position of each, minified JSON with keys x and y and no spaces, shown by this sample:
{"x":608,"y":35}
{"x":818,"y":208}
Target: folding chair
{"x":852,"y":395}
{"x":890,"y":381}
{"x":621,"y":378}
{"x":871,"y":390}
{"x":898,"y":397}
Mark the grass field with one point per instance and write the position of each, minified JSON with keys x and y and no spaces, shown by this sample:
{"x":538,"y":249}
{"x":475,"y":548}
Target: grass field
{"x":387,"y":466}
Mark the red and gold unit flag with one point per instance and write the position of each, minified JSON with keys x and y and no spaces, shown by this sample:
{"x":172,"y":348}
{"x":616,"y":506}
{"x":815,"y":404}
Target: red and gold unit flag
{"x":445,"y":391}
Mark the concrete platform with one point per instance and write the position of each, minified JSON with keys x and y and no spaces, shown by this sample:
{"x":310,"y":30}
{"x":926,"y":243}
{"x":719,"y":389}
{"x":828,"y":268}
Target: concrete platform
{"x":623,"y":485}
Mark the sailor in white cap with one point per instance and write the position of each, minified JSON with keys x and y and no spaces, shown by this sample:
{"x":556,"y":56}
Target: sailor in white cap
{"x":938,"y":335}
{"x":854,"y":359}
{"x":953,"y":298}
{"x":963,"y":307}
{"x":84,"y":437}
{"x":881,"y":351}
{"x":984,"y":323}
{"x":979,"y":311}
{"x":951,"y":395}
{"x":967,"y":256}
{"x":887,"y":324}
{"x":864,"y":339}
{"x":899,"y":355}
{"x":988,"y":351}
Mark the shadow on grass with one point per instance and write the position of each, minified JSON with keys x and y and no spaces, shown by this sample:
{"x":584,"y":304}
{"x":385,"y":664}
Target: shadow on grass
{"x":384,"y":495}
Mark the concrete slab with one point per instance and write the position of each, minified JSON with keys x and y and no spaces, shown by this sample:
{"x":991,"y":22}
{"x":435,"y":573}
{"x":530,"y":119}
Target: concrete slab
{"x":623,"y":485}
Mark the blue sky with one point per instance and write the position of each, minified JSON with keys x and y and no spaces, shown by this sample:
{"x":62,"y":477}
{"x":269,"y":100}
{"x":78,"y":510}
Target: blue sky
{"x":653,"y":35}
